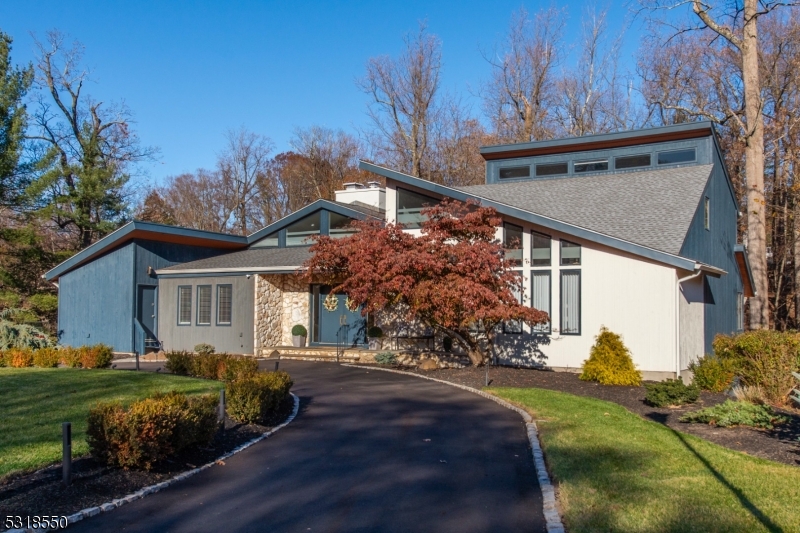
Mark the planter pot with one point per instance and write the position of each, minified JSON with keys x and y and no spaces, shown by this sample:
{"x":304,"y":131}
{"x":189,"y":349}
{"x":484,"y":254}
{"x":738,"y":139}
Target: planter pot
{"x":375,"y":343}
{"x":298,"y":341}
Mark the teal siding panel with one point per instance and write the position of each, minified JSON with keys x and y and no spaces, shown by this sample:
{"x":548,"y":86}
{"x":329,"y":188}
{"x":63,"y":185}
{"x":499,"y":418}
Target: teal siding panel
{"x":714,"y":246}
{"x":95,"y":302}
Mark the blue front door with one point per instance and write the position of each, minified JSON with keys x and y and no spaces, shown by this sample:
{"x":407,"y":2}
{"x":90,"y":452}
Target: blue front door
{"x":332,"y":322}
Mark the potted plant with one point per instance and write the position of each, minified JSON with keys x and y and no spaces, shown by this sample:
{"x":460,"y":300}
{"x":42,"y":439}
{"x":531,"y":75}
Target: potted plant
{"x":299,"y":333}
{"x":375,"y":335}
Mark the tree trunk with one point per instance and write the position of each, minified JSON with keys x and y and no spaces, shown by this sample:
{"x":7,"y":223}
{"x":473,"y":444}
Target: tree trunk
{"x":754,"y":169}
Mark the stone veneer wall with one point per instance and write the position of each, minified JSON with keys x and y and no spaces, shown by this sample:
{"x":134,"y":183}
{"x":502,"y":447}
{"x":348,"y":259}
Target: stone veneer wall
{"x":295,"y":308}
{"x":282,"y":300}
{"x":269,"y":305}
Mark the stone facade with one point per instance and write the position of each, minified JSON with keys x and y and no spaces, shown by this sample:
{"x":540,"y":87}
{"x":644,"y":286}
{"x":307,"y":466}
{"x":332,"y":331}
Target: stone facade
{"x":282,"y":300}
{"x":268,"y":312}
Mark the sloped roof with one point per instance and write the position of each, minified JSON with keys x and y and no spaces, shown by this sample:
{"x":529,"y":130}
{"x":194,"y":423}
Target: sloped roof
{"x":653,"y":208}
{"x":250,"y":260}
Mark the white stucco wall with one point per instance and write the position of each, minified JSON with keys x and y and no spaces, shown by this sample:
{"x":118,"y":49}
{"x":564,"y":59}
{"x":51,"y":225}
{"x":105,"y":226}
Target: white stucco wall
{"x":631,"y":296}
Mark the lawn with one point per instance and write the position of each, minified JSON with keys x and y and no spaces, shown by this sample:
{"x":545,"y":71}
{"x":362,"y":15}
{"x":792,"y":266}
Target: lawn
{"x":618,"y":472}
{"x":35,"y":401}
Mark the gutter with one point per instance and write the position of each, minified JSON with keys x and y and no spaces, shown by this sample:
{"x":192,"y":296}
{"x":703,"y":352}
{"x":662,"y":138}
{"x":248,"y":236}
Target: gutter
{"x":232,"y":270}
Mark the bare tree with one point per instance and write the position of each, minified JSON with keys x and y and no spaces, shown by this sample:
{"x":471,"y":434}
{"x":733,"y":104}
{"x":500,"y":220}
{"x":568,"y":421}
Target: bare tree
{"x":520,"y":97}
{"x":204,"y":200}
{"x":90,"y":148}
{"x":242,"y":164}
{"x":404,"y":105}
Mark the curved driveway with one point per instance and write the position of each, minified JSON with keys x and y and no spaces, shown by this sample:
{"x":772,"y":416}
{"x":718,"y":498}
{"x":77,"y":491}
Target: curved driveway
{"x":370,"y":451}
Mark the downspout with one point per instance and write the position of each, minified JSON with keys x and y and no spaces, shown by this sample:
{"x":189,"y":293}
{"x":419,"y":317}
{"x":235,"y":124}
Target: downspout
{"x":678,"y":320}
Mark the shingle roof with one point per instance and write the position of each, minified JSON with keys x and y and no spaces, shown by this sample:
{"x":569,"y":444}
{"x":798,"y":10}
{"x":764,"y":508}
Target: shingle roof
{"x":651,"y":208}
{"x":253,"y":258}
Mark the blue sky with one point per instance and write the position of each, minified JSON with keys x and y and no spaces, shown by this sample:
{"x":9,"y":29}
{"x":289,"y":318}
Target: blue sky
{"x":191,"y":70}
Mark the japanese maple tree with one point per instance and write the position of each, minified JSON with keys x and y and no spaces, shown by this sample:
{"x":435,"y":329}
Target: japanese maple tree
{"x":453,"y":277}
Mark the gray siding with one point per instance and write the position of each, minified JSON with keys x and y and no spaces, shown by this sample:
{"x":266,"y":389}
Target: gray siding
{"x":236,"y":338}
{"x":715,"y":247}
{"x":95,"y":302}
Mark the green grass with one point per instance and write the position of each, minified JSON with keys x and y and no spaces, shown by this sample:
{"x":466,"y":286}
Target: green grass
{"x":618,"y":472}
{"x":35,"y":401}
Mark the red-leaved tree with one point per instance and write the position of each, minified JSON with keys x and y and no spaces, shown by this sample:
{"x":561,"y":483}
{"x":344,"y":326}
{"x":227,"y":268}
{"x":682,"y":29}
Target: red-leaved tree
{"x":453,"y":277}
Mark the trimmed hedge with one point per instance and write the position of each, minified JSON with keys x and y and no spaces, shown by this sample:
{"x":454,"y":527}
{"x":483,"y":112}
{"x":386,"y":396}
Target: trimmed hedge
{"x":152,"y":429}
{"x":46,"y":358}
{"x":96,"y":356}
{"x":251,"y":400}
{"x":216,"y":366}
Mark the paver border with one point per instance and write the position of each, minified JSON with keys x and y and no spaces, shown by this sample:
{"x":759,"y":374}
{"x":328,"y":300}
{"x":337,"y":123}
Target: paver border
{"x":152,"y":489}
{"x":551,"y":514}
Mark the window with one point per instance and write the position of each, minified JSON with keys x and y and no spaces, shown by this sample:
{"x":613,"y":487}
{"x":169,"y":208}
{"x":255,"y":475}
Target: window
{"x":224,"y":304}
{"x":204,"y":305}
{"x":410,"y":206}
{"x":515,"y":172}
{"x":515,"y":326}
{"x":676,"y":156}
{"x":632,"y":161}
{"x":551,"y":169}
{"x":298,"y":233}
{"x":570,"y":253}
{"x":512,"y":242}
{"x":185,"y":305}
{"x":540,"y":297}
{"x":570,"y":302}
{"x":270,"y":240}
{"x":590,"y":166}
{"x":541,"y":249}
{"x":707,"y":213}
{"x":339,"y":226}
{"x":739,"y":311}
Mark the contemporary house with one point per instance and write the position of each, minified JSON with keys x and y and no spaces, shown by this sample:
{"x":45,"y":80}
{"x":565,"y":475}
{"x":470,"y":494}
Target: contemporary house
{"x":635,"y":231}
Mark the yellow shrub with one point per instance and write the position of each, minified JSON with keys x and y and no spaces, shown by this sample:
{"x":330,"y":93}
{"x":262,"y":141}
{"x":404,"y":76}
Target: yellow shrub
{"x":610,"y":362}
{"x":19,"y":358}
{"x":46,"y":357}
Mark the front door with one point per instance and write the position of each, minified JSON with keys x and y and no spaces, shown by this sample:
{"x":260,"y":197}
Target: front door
{"x":332,"y":322}
{"x":146,"y":311}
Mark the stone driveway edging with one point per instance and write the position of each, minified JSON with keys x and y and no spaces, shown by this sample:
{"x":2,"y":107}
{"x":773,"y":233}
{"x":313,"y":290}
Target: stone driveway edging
{"x":141,"y":493}
{"x":551,"y":514}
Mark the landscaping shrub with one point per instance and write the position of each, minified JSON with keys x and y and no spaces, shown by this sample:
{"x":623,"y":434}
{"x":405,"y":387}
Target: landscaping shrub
{"x":763,"y":358}
{"x":19,"y":357}
{"x":204,"y":349}
{"x":610,"y":362}
{"x":70,"y":356}
{"x":299,"y":330}
{"x":180,"y":363}
{"x":713,"y":373}
{"x":386,"y":358}
{"x":97,"y":356}
{"x":671,"y":392}
{"x":733,"y":413}
{"x":237,"y":367}
{"x":252,"y":399}
{"x":14,"y":335}
{"x":150,"y":430}
{"x":208,"y":365}
{"x":46,"y":357}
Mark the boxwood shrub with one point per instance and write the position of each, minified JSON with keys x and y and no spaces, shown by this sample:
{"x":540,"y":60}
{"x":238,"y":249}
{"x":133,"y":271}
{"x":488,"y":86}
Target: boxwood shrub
{"x":252,"y":399}
{"x":150,"y":430}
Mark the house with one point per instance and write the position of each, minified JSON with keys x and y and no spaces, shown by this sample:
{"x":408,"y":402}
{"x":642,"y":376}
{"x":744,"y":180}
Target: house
{"x":635,"y":231}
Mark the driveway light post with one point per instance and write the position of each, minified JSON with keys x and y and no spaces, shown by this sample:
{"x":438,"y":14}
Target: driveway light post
{"x":66,"y":460}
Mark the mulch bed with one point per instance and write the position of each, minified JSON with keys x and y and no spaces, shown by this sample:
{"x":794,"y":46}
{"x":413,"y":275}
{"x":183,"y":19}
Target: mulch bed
{"x":95,"y":483}
{"x":780,"y":444}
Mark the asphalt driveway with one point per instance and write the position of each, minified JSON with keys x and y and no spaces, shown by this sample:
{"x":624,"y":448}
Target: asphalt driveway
{"x":369,"y":451}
